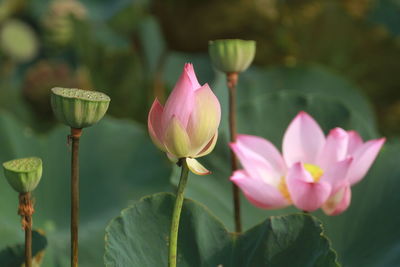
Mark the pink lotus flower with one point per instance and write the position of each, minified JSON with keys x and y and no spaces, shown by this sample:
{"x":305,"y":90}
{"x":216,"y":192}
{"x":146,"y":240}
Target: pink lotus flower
{"x":187,"y":126}
{"x":315,"y":171}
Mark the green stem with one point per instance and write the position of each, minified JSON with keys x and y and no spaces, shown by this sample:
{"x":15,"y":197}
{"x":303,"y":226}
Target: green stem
{"x":28,"y":244}
{"x":75,"y":136}
{"x":232,"y":80}
{"x":173,"y":240}
{"x":25,"y":209}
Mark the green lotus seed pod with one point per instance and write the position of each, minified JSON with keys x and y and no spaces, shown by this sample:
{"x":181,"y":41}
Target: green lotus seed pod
{"x":232,"y":55}
{"x":78,"y":108}
{"x":23,"y":174}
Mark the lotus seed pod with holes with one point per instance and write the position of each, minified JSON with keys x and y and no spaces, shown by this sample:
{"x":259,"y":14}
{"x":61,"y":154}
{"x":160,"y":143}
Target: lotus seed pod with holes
{"x":232,"y":55}
{"x":23,"y":174}
{"x":78,"y":108}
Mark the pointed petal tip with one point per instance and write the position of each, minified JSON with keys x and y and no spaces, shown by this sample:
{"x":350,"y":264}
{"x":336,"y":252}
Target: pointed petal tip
{"x":303,"y":139}
{"x":302,"y":113}
{"x":338,"y":132}
{"x":382,"y":140}
{"x":188,"y":69}
{"x":379,"y":142}
{"x":188,"y":65}
{"x":156,"y":102}
{"x":305,"y":116}
{"x":236,"y":175}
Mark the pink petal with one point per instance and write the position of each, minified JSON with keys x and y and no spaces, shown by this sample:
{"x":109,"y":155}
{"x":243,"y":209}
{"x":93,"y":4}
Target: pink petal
{"x":181,"y":100}
{"x":306,"y":194}
{"x":255,"y":165}
{"x":335,"y":148}
{"x":154,"y":124}
{"x":364,"y":156}
{"x":355,"y":141}
{"x":264,"y":149}
{"x":192,"y":75}
{"x":204,"y":120}
{"x":336,"y":174}
{"x":258,"y":192}
{"x":303,"y":140}
{"x":339,"y":202}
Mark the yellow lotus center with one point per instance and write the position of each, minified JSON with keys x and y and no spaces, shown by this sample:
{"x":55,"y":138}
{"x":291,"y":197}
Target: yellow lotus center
{"x":315,"y":171}
{"x":282,"y":187}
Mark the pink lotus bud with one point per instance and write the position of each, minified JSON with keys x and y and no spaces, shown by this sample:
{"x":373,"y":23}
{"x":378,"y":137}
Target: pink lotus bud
{"x":314,"y":171}
{"x":187,"y":126}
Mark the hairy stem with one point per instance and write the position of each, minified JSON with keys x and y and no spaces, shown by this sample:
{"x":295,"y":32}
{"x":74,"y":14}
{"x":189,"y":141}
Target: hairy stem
{"x":232,"y":79}
{"x":25,"y":210}
{"x":75,"y":136}
{"x":173,"y":240}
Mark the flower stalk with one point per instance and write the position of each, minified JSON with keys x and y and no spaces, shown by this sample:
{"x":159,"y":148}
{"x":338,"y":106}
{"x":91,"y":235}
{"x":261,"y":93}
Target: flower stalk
{"x":232,"y":56}
{"x":78,"y":109}
{"x":75,"y":137}
{"x":173,"y":240}
{"x":232,"y":79}
{"x":25,"y":210}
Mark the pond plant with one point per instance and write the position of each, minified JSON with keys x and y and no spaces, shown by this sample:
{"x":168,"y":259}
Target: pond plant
{"x":312,"y":171}
{"x":232,"y":56}
{"x":78,"y":109}
{"x":186,"y":128}
{"x":24,"y":175}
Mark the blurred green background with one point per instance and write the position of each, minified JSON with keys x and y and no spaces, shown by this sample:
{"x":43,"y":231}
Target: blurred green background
{"x":337,"y":59}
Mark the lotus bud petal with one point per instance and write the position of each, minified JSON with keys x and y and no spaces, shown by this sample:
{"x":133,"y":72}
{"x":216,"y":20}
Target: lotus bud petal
{"x":232,"y":55}
{"x":78,"y":108}
{"x":187,"y":125}
{"x":23,"y":174}
{"x":195,"y":167}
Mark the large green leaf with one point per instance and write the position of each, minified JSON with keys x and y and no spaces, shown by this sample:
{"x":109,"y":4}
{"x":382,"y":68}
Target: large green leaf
{"x":14,"y":256}
{"x":139,"y":237}
{"x":117,"y":165}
